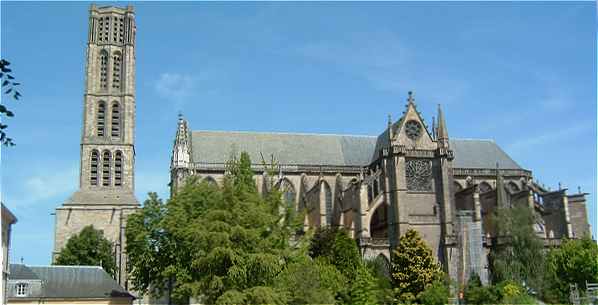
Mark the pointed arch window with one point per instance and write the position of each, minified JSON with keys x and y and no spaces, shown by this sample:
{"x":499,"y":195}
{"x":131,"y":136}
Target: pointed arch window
{"x":115,"y":128}
{"x":95,"y":161}
{"x":288,"y":191}
{"x":328,"y":203}
{"x":101,"y":119}
{"x":484,"y":187}
{"x":513,"y":187}
{"x":106,"y":164}
{"x":118,"y":168}
{"x":103,"y":69}
{"x":116,"y":70}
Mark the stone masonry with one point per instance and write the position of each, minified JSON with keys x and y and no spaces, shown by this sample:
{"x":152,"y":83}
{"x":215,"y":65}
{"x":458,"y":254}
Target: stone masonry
{"x":106,"y":180}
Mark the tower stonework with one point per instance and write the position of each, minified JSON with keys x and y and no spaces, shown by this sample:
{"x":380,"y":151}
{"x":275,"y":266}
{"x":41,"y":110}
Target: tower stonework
{"x":106,"y":178}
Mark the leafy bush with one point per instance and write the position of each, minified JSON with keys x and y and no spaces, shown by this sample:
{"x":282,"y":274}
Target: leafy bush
{"x":436,"y":294}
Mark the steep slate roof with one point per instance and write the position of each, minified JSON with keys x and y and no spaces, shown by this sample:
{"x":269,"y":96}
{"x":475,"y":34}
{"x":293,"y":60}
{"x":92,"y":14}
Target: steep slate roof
{"x":325,"y":149}
{"x":21,"y":272}
{"x":70,"y":281}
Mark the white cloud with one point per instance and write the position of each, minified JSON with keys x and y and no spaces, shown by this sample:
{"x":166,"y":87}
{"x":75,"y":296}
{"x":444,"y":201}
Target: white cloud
{"x":175,"y":87}
{"x":41,"y":187}
{"x":546,"y":138}
{"x":387,"y":64}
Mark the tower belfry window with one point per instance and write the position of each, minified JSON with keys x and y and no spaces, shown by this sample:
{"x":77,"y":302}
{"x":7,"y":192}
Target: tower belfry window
{"x":95,"y":159}
{"x":115,"y":130}
{"x":116,"y":70}
{"x":101,"y":119}
{"x":103,"y":69}
{"x":118,"y":168}
{"x":115,"y":25}
{"x":101,"y":30}
{"x":106,"y":168}
{"x":121,"y":29}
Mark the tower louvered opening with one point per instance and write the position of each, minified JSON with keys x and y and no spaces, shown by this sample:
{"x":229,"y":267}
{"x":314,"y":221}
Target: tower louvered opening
{"x":101,"y":120}
{"x":118,"y":168}
{"x":116,"y":117}
{"x":106,"y":164}
{"x":95,"y":159}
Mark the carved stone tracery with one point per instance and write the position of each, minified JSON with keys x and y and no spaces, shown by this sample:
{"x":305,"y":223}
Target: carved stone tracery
{"x":419,"y":175}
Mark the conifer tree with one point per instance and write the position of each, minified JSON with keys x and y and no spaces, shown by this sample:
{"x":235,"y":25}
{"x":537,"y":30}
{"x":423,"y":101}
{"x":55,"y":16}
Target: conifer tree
{"x":413,"y":267}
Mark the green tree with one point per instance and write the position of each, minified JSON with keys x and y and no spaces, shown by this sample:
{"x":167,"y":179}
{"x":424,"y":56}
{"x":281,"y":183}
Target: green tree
{"x":519,"y":254}
{"x":338,"y":248}
{"x":413,"y":267}
{"x":215,"y":244}
{"x":379,"y":268}
{"x":88,"y":248}
{"x":574,"y":262}
{"x":9,"y":86}
{"x":363,"y":288}
{"x":476,"y":294}
{"x":435,"y":294}
{"x":147,"y":245}
{"x":309,"y":281}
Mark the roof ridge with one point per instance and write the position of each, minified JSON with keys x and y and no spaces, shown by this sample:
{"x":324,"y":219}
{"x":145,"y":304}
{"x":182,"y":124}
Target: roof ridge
{"x":472,"y":139}
{"x":65,"y":266}
{"x":286,"y":133}
{"x":318,"y":134}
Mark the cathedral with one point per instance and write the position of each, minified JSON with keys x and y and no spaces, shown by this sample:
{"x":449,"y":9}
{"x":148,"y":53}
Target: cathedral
{"x":410,"y":176}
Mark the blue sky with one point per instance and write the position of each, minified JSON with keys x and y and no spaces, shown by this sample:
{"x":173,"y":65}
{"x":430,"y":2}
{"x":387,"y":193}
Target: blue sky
{"x":522,"y":74}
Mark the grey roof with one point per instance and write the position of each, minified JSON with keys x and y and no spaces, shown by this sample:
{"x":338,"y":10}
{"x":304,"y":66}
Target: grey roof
{"x":472,"y":153}
{"x":119,"y":197}
{"x":70,"y":281}
{"x":332,"y":150}
{"x":288,"y":148}
{"x":21,"y":272}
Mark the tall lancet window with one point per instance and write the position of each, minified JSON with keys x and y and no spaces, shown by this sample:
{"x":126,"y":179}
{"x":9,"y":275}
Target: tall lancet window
{"x":116,"y":70}
{"x":103,"y":70}
{"x":101,"y":120}
{"x":328,"y":203}
{"x":106,"y":164}
{"x":115,"y":130}
{"x":118,"y":168}
{"x":95,"y":160}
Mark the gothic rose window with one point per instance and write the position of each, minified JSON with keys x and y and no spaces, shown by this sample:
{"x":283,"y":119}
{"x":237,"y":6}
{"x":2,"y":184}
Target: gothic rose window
{"x":419,"y":175}
{"x":413,"y":129}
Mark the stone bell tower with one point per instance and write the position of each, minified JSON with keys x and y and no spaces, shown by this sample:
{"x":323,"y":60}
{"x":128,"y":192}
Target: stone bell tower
{"x":106,"y":179}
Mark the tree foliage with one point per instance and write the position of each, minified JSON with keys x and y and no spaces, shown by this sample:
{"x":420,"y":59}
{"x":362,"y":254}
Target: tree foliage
{"x":88,"y":248}
{"x":338,"y":248}
{"x":574,"y":262}
{"x":518,"y":255}
{"x":221,"y":245}
{"x":435,"y":294}
{"x":9,"y":88}
{"x":413,"y":267}
{"x":335,"y":247}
